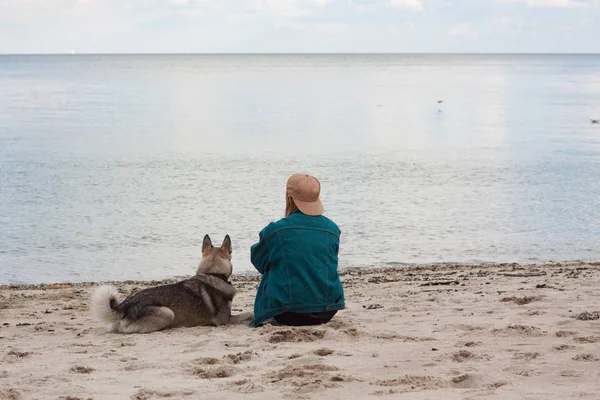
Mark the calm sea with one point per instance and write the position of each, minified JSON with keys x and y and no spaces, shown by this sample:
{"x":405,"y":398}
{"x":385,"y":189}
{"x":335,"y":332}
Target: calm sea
{"x":114,"y":167}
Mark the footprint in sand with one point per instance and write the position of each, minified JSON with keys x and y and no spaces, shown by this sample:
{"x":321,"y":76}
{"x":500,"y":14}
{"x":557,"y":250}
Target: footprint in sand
{"x":519,"y":330}
{"x":295,"y":335}
{"x":586,"y":357}
{"x":120,"y":343}
{"x":467,"y":381}
{"x":127,"y":359}
{"x":526,"y":356}
{"x":212,"y":373}
{"x":306,"y":378}
{"x":133,"y":367}
{"x":521,"y":300}
{"x":347,"y":328}
{"x":462,"y":356}
{"x":533,"y":313}
{"x":588,"y":316}
{"x":323,"y":352}
{"x":415,"y":383}
{"x":465,"y":356}
{"x":462,"y":327}
{"x":566,"y":333}
{"x":571,"y":374}
{"x":587,"y":339}
{"x":206,"y":361}
{"x":16,"y":355}
{"x":80,"y":369}
{"x":246,"y":386}
{"x":394,"y":336}
{"x":210,"y":368}
{"x":468,"y":344}
{"x":10,"y":394}
{"x":238,"y":358}
{"x":525,"y":372}
{"x":228,"y":344}
{"x":147,"y":394}
{"x":459,"y":381}
{"x":563,"y":347}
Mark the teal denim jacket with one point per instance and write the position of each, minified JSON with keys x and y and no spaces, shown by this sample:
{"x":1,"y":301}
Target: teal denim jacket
{"x":297,"y":257}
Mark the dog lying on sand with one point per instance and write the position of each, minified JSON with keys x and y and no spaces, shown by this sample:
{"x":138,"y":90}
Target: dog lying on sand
{"x":204,"y":299}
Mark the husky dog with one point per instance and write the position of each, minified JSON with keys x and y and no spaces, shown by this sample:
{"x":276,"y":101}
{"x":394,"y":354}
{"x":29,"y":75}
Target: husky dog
{"x":204,"y":299}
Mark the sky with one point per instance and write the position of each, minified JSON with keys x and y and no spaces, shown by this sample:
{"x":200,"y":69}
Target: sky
{"x":299,"y":26}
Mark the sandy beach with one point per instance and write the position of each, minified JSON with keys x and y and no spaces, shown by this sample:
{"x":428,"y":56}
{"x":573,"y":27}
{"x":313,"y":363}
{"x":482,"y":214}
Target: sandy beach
{"x":453,"y":332}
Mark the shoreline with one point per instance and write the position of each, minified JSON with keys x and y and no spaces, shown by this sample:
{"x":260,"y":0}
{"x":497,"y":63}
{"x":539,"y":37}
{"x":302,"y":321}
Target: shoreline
{"x":343,"y":271}
{"x":481,"y":332}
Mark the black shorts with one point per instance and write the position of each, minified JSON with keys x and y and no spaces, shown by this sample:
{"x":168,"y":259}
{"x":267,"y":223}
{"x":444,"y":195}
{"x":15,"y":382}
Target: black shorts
{"x":305,"y":319}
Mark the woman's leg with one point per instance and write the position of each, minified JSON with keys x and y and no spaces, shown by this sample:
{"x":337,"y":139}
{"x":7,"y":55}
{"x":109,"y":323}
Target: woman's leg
{"x":305,"y":319}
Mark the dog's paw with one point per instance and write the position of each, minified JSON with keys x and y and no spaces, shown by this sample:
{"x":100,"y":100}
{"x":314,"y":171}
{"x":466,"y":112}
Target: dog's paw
{"x":243,"y":318}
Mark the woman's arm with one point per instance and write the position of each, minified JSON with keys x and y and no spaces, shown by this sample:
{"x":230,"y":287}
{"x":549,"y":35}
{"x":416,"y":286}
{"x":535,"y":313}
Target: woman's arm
{"x":258,"y":254}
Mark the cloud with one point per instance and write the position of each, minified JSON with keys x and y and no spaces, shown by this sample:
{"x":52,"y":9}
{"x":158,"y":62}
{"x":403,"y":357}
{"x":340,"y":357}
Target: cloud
{"x":42,"y":26}
{"x":330,"y":28}
{"x":413,"y":4}
{"x":463,"y":30}
{"x":286,"y":8}
{"x":553,"y":3}
{"x":505,"y":26}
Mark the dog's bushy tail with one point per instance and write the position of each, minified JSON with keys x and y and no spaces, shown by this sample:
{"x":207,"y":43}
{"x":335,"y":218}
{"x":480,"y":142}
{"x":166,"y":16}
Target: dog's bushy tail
{"x":104,"y":304}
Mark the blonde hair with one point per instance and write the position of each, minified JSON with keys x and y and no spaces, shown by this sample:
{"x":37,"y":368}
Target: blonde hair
{"x":290,"y":206}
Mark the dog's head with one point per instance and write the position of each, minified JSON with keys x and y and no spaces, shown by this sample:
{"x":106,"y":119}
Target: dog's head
{"x":216,"y":260}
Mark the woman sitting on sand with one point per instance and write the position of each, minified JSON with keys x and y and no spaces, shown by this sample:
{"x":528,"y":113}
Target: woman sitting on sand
{"x":297,"y":257}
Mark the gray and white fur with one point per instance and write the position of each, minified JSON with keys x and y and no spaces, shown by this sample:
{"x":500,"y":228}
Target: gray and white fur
{"x":204,"y":299}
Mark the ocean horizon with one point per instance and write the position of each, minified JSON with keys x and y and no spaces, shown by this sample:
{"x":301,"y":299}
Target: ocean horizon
{"x":310,"y":53}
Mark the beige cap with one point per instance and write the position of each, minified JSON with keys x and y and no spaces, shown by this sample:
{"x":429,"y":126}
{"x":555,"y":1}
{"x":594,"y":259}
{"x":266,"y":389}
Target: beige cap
{"x":305,"y":191}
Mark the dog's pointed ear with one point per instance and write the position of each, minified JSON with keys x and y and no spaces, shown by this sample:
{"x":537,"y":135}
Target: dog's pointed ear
{"x":206,"y":244}
{"x":226,"y":244}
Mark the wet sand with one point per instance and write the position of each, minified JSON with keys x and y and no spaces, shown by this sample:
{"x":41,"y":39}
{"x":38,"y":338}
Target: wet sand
{"x":452,"y":332}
